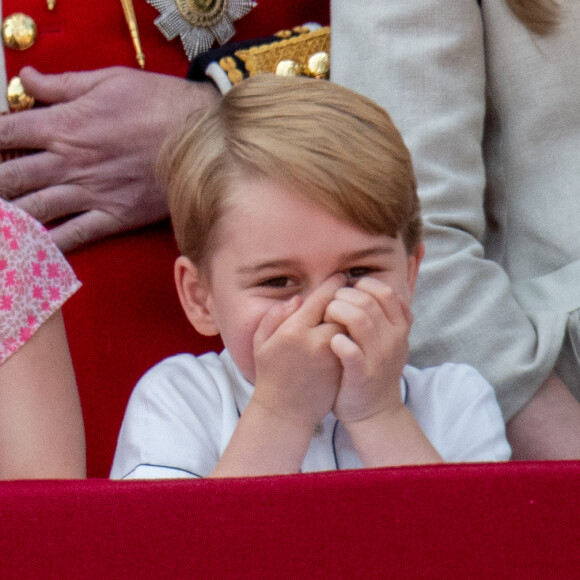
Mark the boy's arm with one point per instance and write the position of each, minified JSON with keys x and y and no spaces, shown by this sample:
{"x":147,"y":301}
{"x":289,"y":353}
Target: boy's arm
{"x":297,"y":378}
{"x":369,"y":404}
{"x":264,"y":443}
{"x":391,"y":438}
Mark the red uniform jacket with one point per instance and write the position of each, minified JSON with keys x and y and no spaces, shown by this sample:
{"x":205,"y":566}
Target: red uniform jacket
{"x":80,"y":35}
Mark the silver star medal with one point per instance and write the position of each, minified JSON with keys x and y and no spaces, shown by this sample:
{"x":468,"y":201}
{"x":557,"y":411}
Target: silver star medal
{"x":199,"y":22}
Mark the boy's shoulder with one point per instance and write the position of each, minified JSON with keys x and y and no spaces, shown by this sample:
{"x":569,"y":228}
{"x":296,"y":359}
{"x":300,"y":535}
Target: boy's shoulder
{"x":445,"y":372}
{"x":187,"y":377}
{"x":457,"y":407}
{"x":184,"y":365}
{"x":458,"y":382}
{"x":180,"y":400}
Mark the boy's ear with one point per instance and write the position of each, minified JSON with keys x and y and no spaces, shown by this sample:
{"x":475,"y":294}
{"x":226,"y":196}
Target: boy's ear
{"x":194,"y":294}
{"x":413,"y":262}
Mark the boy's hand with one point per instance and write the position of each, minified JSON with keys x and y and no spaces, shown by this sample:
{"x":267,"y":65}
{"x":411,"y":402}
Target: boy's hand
{"x":373,"y":354}
{"x":374,"y":350}
{"x":297,"y":379}
{"x":297,"y":374}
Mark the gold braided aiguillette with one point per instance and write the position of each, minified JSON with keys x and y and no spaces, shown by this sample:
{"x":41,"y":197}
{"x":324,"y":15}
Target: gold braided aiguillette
{"x":129,"y":11}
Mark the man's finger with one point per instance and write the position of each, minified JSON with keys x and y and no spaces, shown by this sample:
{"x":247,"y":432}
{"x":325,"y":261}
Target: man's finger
{"x":64,"y":87}
{"x":26,"y":130}
{"x":53,"y":203}
{"x":30,"y":173}
{"x":83,"y":229}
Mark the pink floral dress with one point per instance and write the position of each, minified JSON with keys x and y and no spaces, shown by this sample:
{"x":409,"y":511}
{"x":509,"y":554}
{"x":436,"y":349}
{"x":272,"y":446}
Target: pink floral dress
{"x":35,"y":278}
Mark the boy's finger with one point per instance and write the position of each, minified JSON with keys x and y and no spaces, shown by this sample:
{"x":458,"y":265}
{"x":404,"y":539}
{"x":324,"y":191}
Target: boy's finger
{"x":362,"y":327}
{"x":349,"y":353}
{"x":312,"y":312}
{"x":274,"y":318}
{"x":350,"y":299}
{"x":391,"y":304}
{"x":407,"y":313}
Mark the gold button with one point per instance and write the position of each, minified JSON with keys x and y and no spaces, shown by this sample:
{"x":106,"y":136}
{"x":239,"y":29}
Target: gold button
{"x":319,"y":66}
{"x":18,"y":100}
{"x":18,"y":31}
{"x":288,"y":68}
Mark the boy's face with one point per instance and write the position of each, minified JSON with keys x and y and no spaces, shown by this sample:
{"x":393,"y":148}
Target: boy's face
{"x":272,"y":244}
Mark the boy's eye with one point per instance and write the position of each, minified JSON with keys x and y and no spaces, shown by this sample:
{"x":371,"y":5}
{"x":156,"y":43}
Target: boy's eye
{"x":278,"y":282}
{"x":358,"y":272}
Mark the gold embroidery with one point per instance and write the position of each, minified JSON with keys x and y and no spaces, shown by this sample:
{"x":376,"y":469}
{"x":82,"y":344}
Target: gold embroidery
{"x":229,"y":65}
{"x":265,"y":58}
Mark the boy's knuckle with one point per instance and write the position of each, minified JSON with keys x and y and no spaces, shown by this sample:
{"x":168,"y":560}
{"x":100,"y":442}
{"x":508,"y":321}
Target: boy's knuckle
{"x":366,"y":300}
{"x":386,"y":293}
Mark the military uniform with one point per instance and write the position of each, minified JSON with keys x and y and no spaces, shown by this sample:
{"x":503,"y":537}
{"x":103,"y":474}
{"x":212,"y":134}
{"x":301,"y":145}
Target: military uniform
{"x":87,"y":35}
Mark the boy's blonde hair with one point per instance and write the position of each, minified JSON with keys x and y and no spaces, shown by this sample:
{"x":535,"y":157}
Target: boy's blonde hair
{"x":335,"y":147}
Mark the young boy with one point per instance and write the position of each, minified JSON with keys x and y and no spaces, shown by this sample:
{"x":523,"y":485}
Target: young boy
{"x":294,"y":206}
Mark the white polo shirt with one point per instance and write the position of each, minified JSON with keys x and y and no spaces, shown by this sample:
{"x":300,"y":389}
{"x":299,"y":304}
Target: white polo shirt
{"x":183,"y":412}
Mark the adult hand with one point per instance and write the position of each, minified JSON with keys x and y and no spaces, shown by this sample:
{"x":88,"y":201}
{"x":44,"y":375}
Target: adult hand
{"x":97,"y":143}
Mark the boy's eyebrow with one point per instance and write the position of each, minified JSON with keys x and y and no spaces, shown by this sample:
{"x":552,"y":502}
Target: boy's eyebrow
{"x":252,"y":269}
{"x":285,"y":263}
{"x":369,"y":252}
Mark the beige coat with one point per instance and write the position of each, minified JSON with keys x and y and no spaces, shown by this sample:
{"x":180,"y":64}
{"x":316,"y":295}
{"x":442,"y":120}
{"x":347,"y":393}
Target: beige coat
{"x":491,"y":114}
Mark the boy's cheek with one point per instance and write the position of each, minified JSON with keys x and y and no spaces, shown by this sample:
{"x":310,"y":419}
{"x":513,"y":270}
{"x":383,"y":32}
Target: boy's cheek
{"x":245,"y":361}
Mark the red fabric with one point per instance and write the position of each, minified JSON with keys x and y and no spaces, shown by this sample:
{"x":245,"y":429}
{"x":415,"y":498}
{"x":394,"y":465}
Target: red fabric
{"x":88,"y":35}
{"x":511,"y":520}
{"x":124,"y":319}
